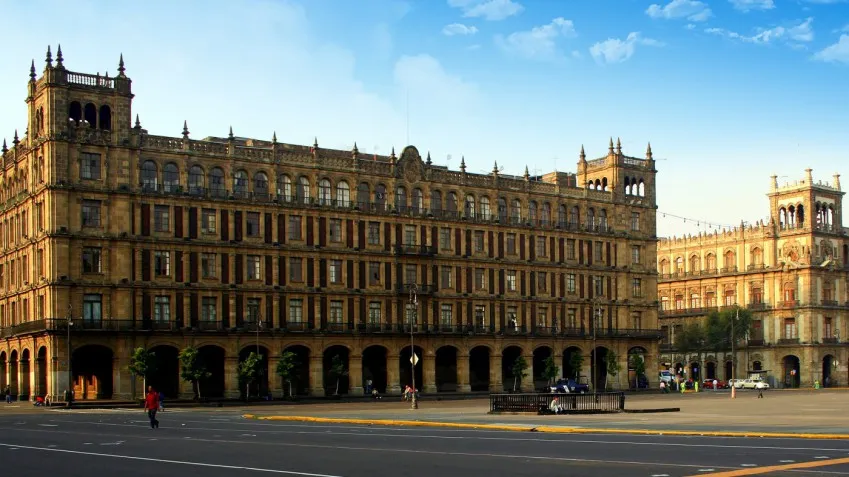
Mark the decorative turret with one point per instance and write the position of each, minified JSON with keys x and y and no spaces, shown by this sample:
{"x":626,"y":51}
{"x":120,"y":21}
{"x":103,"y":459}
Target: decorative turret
{"x":809,"y":177}
{"x":355,"y":151}
{"x":610,"y":147}
{"x":648,"y":153}
{"x":392,"y":157}
{"x":185,"y":128}
{"x":32,"y":75}
{"x":315,"y":144}
{"x":121,"y":67}
{"x":5,"y":149}
{"x":274,"y":138}
{"x":428,"y":161}
{"x":463,"y":164}
{"x":583,"y":155}
{"x":527,"y":176}
{"x":15,"y":140}
{"x":59,"y":59}
{"x":618,"y":147}
{"x":49,"y":58}
{"x":230,"y":136}
{"x":138,"y":123}
{"x":836,"y":184}
{"x":495,"y":168}
{"x":773,"y":182}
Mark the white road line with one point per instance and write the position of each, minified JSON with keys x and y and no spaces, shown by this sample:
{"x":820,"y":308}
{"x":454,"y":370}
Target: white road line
{"x":167,"y":461}
{"x":660,"y":475}
{"x":787,"y":461}
{"x":748,"y":465}
{"x":706,"y":470}
{"x":821,"y":457}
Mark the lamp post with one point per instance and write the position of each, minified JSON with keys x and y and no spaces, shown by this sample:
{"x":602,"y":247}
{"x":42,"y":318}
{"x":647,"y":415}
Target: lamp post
{"x":414,"y":302}
{"x":594,"y":362}
{"x":259,"y":356}
{"x":70,"y":361}
{"x":734,"y":353}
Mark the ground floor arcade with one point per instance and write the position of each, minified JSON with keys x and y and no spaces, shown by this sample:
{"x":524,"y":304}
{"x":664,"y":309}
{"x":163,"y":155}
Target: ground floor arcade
{"x":39,"y":365}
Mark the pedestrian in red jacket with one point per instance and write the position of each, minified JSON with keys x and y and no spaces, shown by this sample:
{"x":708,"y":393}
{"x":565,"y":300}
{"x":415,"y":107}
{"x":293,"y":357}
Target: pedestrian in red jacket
{"x":151,"y":405}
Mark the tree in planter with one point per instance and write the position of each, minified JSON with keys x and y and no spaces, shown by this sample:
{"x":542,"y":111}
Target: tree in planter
{"x":249,"y":370}
{"x":576,"y":361}
{"x":142,"y":363}
{"x":551,"y":371}
{"x":613,"y":366}
{"x":338,"y":370}
{"x":639,"y":366}
{"x":518,"y":371}
{"x":287,"y":369}
{"x":192,"y":369}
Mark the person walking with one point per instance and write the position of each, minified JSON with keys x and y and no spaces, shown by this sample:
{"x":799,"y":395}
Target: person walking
{"x":151,"y":405}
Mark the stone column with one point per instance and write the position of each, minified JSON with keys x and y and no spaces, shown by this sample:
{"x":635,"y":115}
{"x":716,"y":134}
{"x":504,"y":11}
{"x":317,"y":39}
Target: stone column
{"x":122,"y":379}
{"x":393,"y":374}
{"x":231,"y":377}
{"x":463,"y":385}
{"x":527,"y":384}
{"x":317,"y":375}
{"x":558,"y":361}
{"x":186,"y":390}
{"x":495,"y":382}
{"x":275,"y":383}
{"x":428,"y":364}
{"x":355,"y":375}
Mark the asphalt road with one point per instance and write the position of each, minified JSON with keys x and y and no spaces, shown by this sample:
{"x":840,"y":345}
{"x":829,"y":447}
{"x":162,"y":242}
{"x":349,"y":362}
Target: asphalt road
{"x":222,"y":443}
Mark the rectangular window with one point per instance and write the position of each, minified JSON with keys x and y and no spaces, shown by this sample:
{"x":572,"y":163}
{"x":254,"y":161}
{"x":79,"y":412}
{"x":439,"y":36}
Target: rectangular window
{"x":207,"y":221}
{"x":253,"y":307}
{"x":541,"y":241}
{"x":570,"y":283}
{"x":410,"y":274}
{"x":790,"y":328}
{"x":374,"y":313}
{"x":294,"y":227}
{"x":296,"y":311}
{"x":409,"y":235}
{"x":730,"y":298}
{"x":335,"y":230}
{"x":694,"y":301}
{"x":710,"y":299}
{"x":570,"y":249}
{"x":511,"y":280}
{"x":480,"y":317}
{"x":162,"y":263}
{"x":374,"y":273}
{"x":635,"y":255}
{"x":480,"y":279}
{"x":598,"y":285}
{"x":478,"y":241}
{"x":208,"y":268}
{"x":89,"y":166}
{"x":446,"y":317}
{"x":635,"y":221}
{"x":92,"y":308}
{"x":161,"y":218}
{"x":410,"y":314}
{"x":39,"y":263}
{"x":252,"y":224}
{"x":512,"y":323}
{"x":254,"y":267}
{"x":296,"y":271}
{"x":374,"y":233}
{"x":827,"y":327}
{"x":336,"y":271}
{"x":162,"y":309}
{"x":542,"y":282}
{"x":445,"y":238}
{"x":542,"y":318}
{"x":598,"y":249}
{"x":637,"y":287}
{"x":91,"y":260}
{"x":335,"y":312}
{"x":511,"y":244}
{"x":572,"y":318}
{"x":679,"y":302}
{"x":208,"y":309}
{"x":91,"y":213}
{"x":637,"y":320}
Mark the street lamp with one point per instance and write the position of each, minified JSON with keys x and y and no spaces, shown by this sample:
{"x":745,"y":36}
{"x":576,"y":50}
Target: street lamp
{"x":414,"y":302}
{"x":259,"y":356}
{"x":596,"y":315}
{"x":70,"y":371}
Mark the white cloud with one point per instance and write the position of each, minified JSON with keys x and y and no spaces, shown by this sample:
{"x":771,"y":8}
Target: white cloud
{"x":614,"y":50}
{"x":692,"y":10}
{"x":825,"y":2}
{"x":801,"y":33}
{"x":458,"y":29}
{"x":749,"y":5}
{"x":846,"y":28}
{"x":425,"y":77}
{"x":492,"y":10}
{"x":539,"y":42}
{"x":836,"y":53}
{"x":690,"y":26}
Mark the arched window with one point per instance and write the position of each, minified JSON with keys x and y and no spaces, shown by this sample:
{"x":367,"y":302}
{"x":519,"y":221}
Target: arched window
{"x":149,"y":175}
{"x":105,"y":118}
{"x":324,"y":192}
{"x":90,"y":114}
{"x":516,"y":211}
{"x":75,"y":112}
{"x":664,"y":267}
{"x":602,"y":219}
{"x":532,"y":212}
{"x":545,"y":215}
{"x":562,"y":216}
{"x":451,"y":206}
{"x":401,"y":199}
{"x":216,"y":182}
{"x":485,"y":211}
{"x":590,"y":219}
{"x":502,"y":210}
{"x":196,"y":180}
{"x":574,"y":217}
{"x":240,"y":184}
{"x":363,"y":195}
{"x":694,"y":264}
{"x":284,"y":187}
{"x":679,"y":265}
{"x":469,"y":207}
{"x":418,"y":201}
{"x":171,"y":177}
{"x":641,"y":189}
{"x":730,"y":262}
{"x":343,"y":194}
{"x":710,"y":262}
{"x":261,"y":185}
{"x":380,"y":197}
{"x":757,"y":257}
{"x":302,"y":190}
{"x":436,"y":202}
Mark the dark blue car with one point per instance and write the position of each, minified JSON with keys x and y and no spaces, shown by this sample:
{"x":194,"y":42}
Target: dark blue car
{"x":570,"y":386}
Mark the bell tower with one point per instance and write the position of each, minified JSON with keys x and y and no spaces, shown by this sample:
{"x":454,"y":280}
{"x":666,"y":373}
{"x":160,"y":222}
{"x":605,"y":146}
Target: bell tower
{"x":629,"y":178}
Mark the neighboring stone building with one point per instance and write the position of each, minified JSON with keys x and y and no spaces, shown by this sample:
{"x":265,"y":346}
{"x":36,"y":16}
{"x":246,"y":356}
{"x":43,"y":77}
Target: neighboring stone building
{"x":232,"y":245}
{"x":791,"y":272}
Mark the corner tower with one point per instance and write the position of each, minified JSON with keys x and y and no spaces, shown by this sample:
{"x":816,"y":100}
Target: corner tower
{"x":627,"y":177}
{"x":805,"y":205}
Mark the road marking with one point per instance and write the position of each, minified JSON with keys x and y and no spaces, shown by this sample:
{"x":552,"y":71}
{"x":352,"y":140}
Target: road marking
{"x":48,"y":425}
{"x":821,"y":457}
{"x":748,"y":465}
{"x":787,"y":461}
{"x":706,"y":470}
{"x":167,"y":461}
{"x":660,"y":475}
{"x":778,"y":468}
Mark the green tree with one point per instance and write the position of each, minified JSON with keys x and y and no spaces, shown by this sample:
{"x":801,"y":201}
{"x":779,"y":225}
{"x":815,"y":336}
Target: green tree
{"x":192,"y":368}
{"x":518,"y":371}
{"x":249,"y":371}
{"x":551,"y":371}
{"x":287,"y":369}
{"x":576,"y":362}
{"x":338,"y":369}
{"x":693,"y":340}
{"x":613,"y":366}
{"x":639,"y":366}
{"x":143,"y":364}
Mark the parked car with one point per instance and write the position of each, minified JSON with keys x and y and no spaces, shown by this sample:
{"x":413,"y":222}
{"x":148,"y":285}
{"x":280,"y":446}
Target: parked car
{"x":570,"y":386}
{"x":708,"y":384}
{"x":666,"y":376}
{"x":754,"y":384}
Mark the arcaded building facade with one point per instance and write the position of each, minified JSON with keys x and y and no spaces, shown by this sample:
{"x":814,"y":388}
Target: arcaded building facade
{"x":790,"y":271}
{"x":114,"y":238}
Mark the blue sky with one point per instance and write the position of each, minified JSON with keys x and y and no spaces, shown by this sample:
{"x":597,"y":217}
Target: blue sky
{"x":727,"y":91}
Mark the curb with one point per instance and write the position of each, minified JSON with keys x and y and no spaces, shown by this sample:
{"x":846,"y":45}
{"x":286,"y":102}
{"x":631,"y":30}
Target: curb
{"x":546,"y":429}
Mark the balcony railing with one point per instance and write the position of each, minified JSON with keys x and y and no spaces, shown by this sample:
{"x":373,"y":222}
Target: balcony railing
{"x":756,"y":342}
{"x":785,"y":341}
{"x":421,"y":250}
{"x":788,"y":304}
{"x":829,"y":303}
{"x":830,"y":340}
{"x":404,"y":289}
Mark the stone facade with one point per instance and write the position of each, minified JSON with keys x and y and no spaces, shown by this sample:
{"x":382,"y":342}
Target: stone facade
{"x":790,"y":271}
{"x":114,"y":239}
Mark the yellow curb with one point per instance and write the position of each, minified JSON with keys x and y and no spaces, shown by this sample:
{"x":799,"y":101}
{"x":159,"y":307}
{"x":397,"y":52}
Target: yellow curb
{"x":548,"y":429}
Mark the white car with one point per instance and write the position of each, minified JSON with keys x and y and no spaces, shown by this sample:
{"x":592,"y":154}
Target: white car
{"x":751,"y":384}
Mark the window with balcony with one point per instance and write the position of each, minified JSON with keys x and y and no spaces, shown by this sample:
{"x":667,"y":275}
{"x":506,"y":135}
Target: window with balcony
{"x":730,"y":297}
{"x":161,"y":218}
{"x":208,"y":267}
{"x":374,"y":273}
{"x":757,"y":333}
{"x":512,"y":318}
{"x":598,"y":251}
{"x":828,"y":327}
{"x":695,"y":301}
{"x":92,"y":308}
{"x":542,"y":282}
{"x":91,"y":213}
{"x":208,"y":221}
{"x":149,"y":176}
{"x":254,"y":267}
{"x":570,"y":249}
{"x":89,"y":166}
{"x":664,"y":335}
{"x":335,"y":272}
{"x":335,"y":312}
{"x":170,"y":178}
{"x":790,"y":329}
{"x":296,"y":311}
{"x":252,"y":311}
{"x":541,"y":247}
{"x":511,"y":280}
{"x":409,"y":235}
{"x":162,"y":263}
{"x":410,"y":274}
{"x":91,"y":260}
{"x":445,"y":277}
{"x":480,"y":279}
{"x":374,"y":313}
{"x":637,"y":320}
{"x":570,"y":283}
{"x":162,"y":309}
{"x":598,"y":286}
{"x":240,"y":184}
{"x":335,"y":230}
{"x":208,"y":309}
{"x":374,"y":233}
{"x":446,"y":316}
{"x":294,"y":227}
{"x":252,"y":224}
{"x":196,"y":180}
{"x":480,"y":317}
{"x":296,"y":270}
{"x":679,"y":266}
{"x":679,"y":302}
{"x":572,"y":318}
{"x":542,"y":318}
{"x":757,"y":295}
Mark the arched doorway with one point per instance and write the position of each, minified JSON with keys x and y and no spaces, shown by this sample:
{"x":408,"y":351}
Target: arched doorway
{"x":211,"y":357}
{"x":573,"y":361}
{"x":479,"y":368}
{"x":301,"y":379}
{"x":335,"y":369}
{"x":41,"y":372}
{"x":509,"y":356}
{"x":92,"y":369}
{"x":695,"y":371}
{"x":710,"y":370}
{"x":4,"y":368}
{"x":828,"y":363}
{"x":600,"y":365}
{"x":26,"y":377}
{"x":374,"y":368}
{"x":792,"y":371}
{"x":260,"y":385}
{"x":541,"y":355}
{"x":405,"y":372}
{"x":165,"y":377}
{"x":729,"y":370}
{"x":637,"y":375}
{"x":446,"y":369}
{"x":13,"y":373}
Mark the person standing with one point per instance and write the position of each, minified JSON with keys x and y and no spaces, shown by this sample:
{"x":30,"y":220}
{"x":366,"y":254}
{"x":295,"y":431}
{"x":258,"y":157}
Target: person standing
{"x":151,"y":405}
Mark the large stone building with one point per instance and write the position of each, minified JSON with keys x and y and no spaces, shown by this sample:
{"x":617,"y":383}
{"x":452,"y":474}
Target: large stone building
{"x":790,"y":271}
{"x":113,"y":238}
